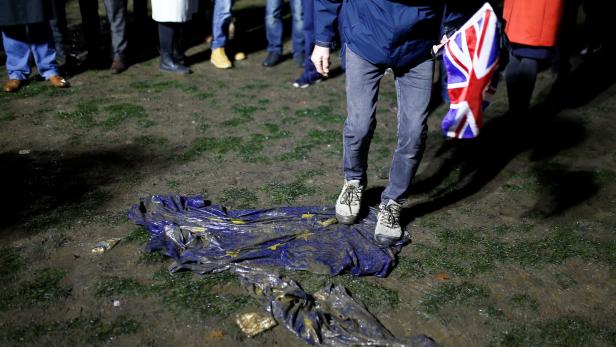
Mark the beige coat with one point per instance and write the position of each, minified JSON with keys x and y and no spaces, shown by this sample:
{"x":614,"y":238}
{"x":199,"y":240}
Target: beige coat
{"x":177,"y":11}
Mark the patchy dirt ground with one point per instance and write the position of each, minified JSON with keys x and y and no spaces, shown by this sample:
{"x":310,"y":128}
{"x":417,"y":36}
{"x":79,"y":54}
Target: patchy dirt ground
{"x":512,"y":235}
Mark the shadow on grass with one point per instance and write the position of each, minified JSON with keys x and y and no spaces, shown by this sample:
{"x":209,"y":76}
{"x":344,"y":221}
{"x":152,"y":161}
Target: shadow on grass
{"x":475,"y":164}
{"x":49,"y":186}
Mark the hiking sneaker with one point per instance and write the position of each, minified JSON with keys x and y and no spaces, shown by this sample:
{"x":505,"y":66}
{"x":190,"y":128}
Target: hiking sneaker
{"x":306,"y":80}
{"x":347,"y":205}
{"x":388,"y":229}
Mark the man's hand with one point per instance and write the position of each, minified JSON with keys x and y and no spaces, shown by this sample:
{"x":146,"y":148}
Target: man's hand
{"x":320,"y":59}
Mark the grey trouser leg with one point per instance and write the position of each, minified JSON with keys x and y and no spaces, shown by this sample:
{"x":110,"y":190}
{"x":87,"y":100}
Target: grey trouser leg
{"x":116,"y":13}
{"x":413,"y":89}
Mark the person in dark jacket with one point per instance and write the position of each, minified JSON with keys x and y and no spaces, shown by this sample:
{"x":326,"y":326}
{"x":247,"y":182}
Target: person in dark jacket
{"x":25,"y":30}
{"x":381,"y":34}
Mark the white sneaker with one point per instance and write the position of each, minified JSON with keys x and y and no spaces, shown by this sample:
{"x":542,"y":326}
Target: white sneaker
{"x":388,"y":229}
{"x":347,"y":205}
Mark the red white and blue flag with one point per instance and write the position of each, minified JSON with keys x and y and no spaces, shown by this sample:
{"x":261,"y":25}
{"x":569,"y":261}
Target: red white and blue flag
{"x":470,"y":59}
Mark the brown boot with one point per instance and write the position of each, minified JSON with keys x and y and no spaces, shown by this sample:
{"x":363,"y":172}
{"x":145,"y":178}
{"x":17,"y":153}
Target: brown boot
{"x":58,"y":81}
{"x":12,"y":86}
{"x":117,"y":66}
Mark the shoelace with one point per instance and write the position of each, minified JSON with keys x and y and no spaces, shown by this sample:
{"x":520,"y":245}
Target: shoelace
{"x":350,"y":195}
{"x":390,"y":215}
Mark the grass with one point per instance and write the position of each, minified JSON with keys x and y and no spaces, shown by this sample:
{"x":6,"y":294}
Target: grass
{"x":139,"y":235}
{"x":447,"y":294}
{"x":83,"y":116}
{"x":151,"y":258}
{"x":274,"y":131}
{"x":564,"y":331}
{"x":315,"y":138}
{"x":251,"y":150}
{"x":560,"y":245}
{"x":320,"y":114}
{"x":150,"y":140}
{"x":95,"y":329}
{"x":239,"y":198}
{"x":173,"y":184}
{"x":203,"y":96}
{"x":604,"y":175}
{"x":44,"y":289}
{"x":114,"y":286}
{"x":376,"y":297}
{"x":503,"y":229}
{"x":11,"y":262}
{"x":245,"y":114}
{"x":201,"y":122}
{"x":286,"y":193}
{"x":205,"y":295}
{"x":184,"y":291}
{"x":219,"y":146}
{"x":524,"y":302}
{"x":119,"y":113}
{"x":564,"y":280}
{"x":469,"y":252}
{"x":150,"y":86}
{"x":7,"y":117}
{"x":300,"y":152}
{"x":257,"y":85}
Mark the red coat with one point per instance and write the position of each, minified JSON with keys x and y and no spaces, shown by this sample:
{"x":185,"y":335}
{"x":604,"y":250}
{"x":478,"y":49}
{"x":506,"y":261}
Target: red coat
{"x":533,"y":22}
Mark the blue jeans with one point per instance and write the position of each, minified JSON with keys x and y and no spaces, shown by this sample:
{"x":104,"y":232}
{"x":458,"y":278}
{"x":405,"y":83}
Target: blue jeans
{"x":220,"y":22}
{"x":413,"y":88}
{"x":308,"y":9}
{"x":273,"y":26}
{"x":20,"y":40}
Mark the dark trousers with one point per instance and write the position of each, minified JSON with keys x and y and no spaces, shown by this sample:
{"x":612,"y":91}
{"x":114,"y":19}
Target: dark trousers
{"x":169,"y":35}
{"x":520,"y":74}
{"x":116,"y":13}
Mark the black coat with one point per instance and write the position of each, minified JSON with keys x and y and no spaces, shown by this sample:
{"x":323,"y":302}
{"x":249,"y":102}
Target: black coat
{"x":17,"y":12}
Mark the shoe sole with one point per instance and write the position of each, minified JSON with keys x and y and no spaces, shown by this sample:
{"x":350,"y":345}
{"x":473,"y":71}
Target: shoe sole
{"x":302,"y":86}
{"x":346,"y":219}
{"x":176,"y":72}
{"x":386,"y":241}
{"x":225,"y":67}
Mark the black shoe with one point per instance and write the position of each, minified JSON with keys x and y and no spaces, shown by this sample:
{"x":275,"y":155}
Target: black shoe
{"x":179,"y":56}
{"x":272,"y":59}
{"x":168,"y":64}
{"x":299,"y":59}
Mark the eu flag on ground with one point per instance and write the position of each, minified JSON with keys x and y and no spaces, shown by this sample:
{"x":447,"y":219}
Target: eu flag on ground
{"x":470,"y":59}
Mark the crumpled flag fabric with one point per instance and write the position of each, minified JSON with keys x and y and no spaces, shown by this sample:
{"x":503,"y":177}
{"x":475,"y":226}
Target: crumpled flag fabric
{"x":253,"y":243}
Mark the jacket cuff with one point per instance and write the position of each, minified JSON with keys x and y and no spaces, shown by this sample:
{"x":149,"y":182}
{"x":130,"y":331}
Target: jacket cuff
{"x":323,"y":44}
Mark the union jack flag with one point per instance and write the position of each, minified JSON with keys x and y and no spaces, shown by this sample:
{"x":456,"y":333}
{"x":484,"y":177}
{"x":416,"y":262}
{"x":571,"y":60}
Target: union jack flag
{"x":470,"y":59}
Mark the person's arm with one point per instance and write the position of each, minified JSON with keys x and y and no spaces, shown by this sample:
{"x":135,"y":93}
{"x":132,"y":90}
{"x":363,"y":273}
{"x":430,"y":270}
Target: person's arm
{"x":325,"y":19}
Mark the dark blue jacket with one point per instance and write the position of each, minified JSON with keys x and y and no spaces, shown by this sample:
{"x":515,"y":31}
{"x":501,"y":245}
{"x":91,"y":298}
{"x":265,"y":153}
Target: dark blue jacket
{"x":393,"y":33}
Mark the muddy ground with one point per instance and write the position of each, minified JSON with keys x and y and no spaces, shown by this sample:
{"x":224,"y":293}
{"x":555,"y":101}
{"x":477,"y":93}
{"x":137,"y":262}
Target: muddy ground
{"x":512,"y":235}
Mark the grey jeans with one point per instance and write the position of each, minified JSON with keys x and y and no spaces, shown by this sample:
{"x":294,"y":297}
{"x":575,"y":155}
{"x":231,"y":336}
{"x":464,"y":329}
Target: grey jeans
{"x":413,"y":88}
